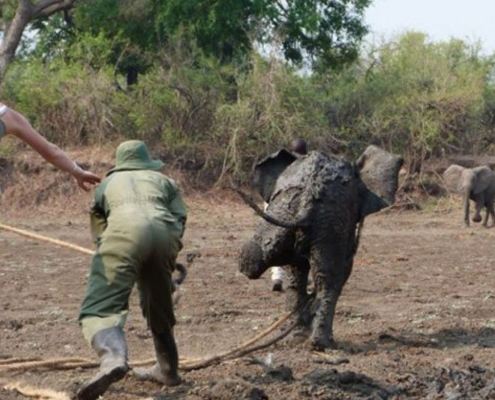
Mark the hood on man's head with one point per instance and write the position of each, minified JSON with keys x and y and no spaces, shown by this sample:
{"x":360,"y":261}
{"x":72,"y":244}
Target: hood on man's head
{"x":134,"y":155}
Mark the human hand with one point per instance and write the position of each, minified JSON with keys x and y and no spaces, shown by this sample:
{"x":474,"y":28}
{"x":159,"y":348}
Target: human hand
{"x":85,"y":178}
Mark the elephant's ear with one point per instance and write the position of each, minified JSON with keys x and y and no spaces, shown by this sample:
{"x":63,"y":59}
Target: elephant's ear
{"x":379,"y":170}
{"x":454,"y":177}
{"x":483,"y":177}
{"x":267,"y":171}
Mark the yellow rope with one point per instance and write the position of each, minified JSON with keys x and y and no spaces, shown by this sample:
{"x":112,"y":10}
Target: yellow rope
{"x":70,"y":363}
{"x":42,"y":238}
{"x":185,"y":364}
{"x":36,"y":393}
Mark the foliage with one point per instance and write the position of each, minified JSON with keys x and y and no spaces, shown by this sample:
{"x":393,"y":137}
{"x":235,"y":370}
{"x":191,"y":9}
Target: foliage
{"x":325,"y":33}
{"x":413,"y":96}
{"x":409,"y":95}
{"x":274,"y":105}
{"x":16,"y":16}
{"x":69,"y":103}
{"x":329,"y":32}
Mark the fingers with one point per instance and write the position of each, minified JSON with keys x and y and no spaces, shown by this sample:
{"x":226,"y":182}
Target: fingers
{"x":90,"y":177}
{"x":82,"y":184}
{"x":86,"y":180}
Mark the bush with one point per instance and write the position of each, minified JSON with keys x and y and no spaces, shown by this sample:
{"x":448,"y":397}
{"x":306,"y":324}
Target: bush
{"x":411,"y":96}
{"x":274,"y":105}
{"x":68,"y":103}
{"x":414,"y":97}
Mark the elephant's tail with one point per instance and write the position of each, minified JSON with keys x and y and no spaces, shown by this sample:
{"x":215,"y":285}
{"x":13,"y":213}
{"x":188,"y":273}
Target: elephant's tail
{"x":283,"y":224}
{"x":182,"y":270}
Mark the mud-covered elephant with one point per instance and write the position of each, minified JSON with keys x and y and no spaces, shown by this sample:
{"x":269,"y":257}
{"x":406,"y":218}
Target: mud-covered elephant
{"x":317,"y":204}
{"x":477,"y":184}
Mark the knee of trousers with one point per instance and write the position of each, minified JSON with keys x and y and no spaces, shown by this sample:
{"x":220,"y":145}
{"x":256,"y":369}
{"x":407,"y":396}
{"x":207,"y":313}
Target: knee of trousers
{"x":92,"y":325}
{"x":109,"y":287}
{"x":106,"y":301}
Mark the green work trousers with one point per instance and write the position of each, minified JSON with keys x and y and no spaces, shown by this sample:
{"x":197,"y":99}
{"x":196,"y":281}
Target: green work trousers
{"x":141,"y":251}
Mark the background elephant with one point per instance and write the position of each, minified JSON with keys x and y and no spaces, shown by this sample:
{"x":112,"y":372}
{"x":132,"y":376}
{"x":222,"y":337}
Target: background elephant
{"x":317,"y":204}
{"x":477,"y":184}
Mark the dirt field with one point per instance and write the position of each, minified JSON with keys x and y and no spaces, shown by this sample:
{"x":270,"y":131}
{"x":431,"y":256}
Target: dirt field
{"x":416,"y":319}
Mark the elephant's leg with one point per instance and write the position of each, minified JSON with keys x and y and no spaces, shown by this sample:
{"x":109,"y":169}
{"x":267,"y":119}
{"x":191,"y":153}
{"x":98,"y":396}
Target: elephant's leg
{"x":487,"y":214}
{"x":466,"y":209}
{"x":491,"y":211}
{"x":296,"y":293}
{"x":332,"y":272}
{"x":479,"y":201}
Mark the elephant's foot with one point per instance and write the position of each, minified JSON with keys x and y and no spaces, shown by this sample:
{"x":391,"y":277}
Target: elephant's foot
{"x":299,"y":335}
{"x":322,"y":343}
{"x":155,"y":374}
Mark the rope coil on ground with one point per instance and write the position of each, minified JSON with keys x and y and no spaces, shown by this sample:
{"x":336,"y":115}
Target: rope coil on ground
{"x":18,"y":364}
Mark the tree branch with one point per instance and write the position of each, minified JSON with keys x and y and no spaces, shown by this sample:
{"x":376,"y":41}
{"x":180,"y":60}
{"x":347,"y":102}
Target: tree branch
{"x":46,"y":8}
{"x":44,"y":4}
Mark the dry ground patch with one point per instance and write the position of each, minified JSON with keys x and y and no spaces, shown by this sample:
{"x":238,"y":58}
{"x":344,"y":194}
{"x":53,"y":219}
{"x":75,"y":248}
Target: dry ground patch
{"x":416,"y":319}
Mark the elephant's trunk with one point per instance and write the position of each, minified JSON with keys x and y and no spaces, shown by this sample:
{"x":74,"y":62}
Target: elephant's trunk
{"x":301,"y":223}
{"x":251,"y":262}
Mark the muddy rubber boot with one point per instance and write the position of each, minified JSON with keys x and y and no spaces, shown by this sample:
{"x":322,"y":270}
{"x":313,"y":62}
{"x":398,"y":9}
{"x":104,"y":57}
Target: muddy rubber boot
{"x":165,"y":370}
{"x":111,"y":347}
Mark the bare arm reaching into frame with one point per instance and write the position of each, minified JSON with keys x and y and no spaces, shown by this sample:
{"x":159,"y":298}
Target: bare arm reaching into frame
{"x":14,"y":123}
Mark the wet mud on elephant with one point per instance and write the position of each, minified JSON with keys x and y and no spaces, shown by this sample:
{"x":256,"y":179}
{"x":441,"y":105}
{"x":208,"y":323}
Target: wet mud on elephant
{"x":317,"y":204}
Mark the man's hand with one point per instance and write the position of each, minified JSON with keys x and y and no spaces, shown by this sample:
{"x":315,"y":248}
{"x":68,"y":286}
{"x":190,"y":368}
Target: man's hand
{"x":85,"y":179}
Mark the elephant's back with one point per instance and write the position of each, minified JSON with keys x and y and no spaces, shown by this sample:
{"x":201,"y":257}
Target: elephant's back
{"x":327,"y":185}
{"x":315,"y":171}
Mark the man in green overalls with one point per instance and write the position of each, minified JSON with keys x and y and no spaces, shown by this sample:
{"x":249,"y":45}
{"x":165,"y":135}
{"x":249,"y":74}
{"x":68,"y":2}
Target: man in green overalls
{"x":137,"y":221}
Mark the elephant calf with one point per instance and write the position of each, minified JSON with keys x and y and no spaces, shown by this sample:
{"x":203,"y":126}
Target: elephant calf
{"x":476,"y":184}
{"x":317,"y":204}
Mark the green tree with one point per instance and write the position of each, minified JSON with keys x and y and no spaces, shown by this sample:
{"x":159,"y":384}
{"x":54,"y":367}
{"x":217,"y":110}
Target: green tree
{"x":129,"y":24}
{"x":325,"y":32}
{"x":15,"y":16}
{"x":322,"y":32}
{"x":413,"y":96}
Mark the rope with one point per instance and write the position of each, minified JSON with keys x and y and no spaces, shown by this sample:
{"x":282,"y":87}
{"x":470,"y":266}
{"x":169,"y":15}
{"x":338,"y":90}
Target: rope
{"x":42,"y":238}
{"x":36,"y":393}
{"x":15,"y":364}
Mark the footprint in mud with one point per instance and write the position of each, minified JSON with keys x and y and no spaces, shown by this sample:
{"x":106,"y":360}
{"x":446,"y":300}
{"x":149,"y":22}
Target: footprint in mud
{"x":271,"y":373}
{"x":475,"y":382}
{"x":334,"y":384}
{"x":229,"y":389}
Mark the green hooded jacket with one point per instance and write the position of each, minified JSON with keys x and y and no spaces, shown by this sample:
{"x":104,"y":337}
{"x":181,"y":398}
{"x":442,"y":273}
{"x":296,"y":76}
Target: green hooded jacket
{"x":136,"y":198}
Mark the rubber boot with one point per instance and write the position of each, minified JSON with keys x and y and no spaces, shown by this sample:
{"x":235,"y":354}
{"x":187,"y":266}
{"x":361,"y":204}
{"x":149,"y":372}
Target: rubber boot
{"x":165,"y":371}
{"x":111,"y":347}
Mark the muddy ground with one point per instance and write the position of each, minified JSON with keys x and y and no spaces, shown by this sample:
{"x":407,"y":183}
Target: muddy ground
{"x":415,"y":321}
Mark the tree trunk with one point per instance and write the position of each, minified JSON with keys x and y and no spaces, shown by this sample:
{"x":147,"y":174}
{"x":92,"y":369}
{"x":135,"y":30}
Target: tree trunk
{"x":132,"y":76}
{"x":25,"y":13}
{"x":13,"y":35}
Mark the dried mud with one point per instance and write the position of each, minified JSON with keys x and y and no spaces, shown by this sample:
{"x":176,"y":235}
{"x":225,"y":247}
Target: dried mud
{"x":415,"y":321}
